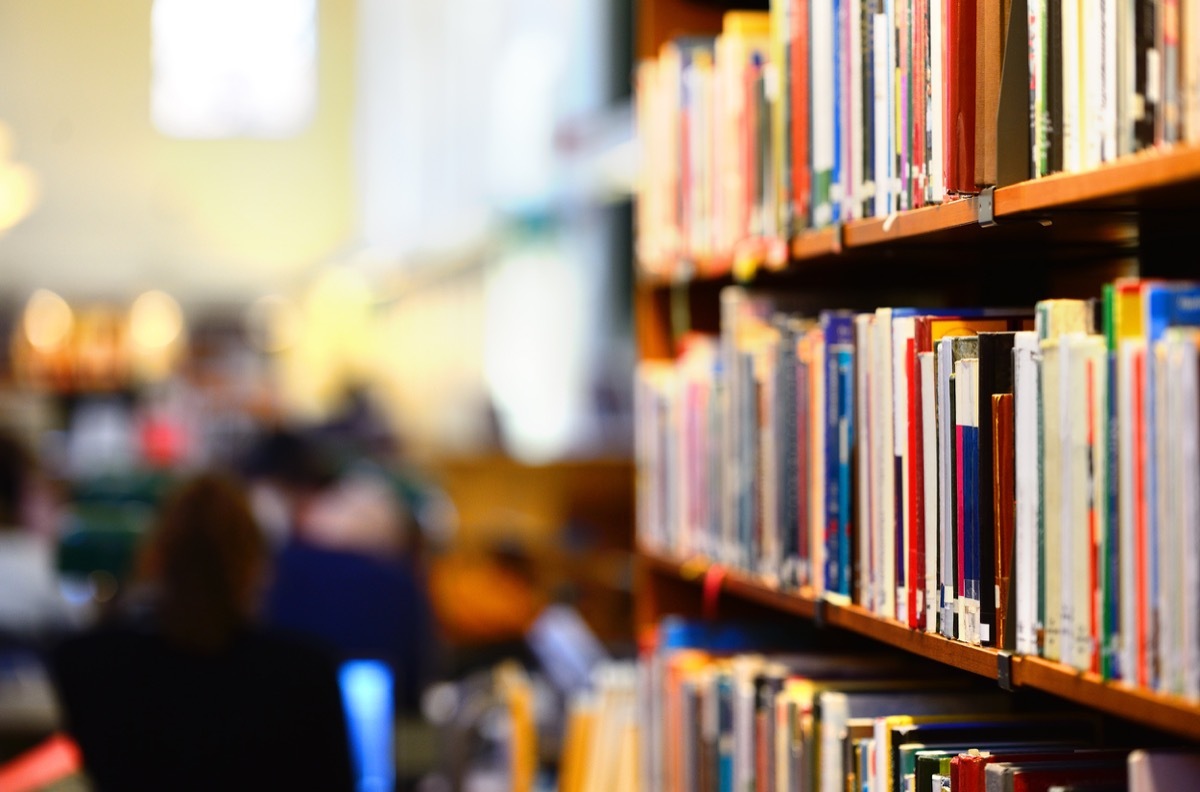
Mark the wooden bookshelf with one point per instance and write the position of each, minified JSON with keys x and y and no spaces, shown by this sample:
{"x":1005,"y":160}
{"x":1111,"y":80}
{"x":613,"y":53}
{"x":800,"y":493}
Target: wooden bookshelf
{"x":1167,"y":713}
{"x":1060,"y":235}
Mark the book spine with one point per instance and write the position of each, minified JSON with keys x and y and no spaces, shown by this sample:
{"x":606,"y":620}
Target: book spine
{"x":1026,"y":445}
{"x":947,"y":500}
{"x":937,"y":101}
{"x":929,"y":474}
{"x":881,"y":49}
{"x":961,"y":62}
{"x":822,"y":37}
{"x":966,"y":377}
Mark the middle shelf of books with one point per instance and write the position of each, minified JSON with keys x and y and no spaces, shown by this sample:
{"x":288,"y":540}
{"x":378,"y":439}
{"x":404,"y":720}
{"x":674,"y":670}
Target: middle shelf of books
{"x":1008,"y":490}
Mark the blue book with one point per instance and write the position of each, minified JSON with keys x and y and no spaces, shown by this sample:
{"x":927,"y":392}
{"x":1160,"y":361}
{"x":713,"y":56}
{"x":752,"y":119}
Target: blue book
{"x":1167,"y":303}
{"x":837,"y":326}
{"x":966,"y":373}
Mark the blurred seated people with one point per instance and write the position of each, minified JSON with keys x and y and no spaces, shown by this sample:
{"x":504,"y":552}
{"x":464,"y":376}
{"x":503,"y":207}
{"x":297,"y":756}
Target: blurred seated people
{"x":345,"y":572}
{"x":182,"y":688}
{"x":33,"y":609}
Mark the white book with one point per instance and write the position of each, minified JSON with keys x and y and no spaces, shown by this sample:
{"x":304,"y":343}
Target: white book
{"x":903,"y":331}
{"x":822,"y":99}
{"x":1091,"y":84}
{"x":1027,"y":484}
{"x":1162,"y":769}
{"x":929,"y":465}
{"x":1072,"y":93}
{"x":766,"y":351}
{"x":1037,"y":84}
{"x":732,"y":299}
{"x":1110,"y":64}
{"x":881,"y":44}
{"x":745,"y":667}
{"x":937,"y":95}
{"x":865,"y":470}
{"x":1087,"y":371}
{"x":885,"y":502}
{"x":1126,"y":73}
{"x":1170,"y":530}
{"x":1184,"y":357}
{"x":853,"y":207}
{"x":943,"y":370}
{"x":1052,"y":510}
{"x":1189,"y":57}
{"x":1130,"y":357}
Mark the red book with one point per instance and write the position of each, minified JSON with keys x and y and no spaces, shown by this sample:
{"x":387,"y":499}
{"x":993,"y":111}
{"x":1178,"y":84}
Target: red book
{"x":798,"y":80}
{"x":960,"y":96}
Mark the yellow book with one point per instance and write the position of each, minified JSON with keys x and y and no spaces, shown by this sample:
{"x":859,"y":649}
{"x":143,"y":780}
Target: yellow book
{"x":577,"y":741}
{"x":517,"y":694}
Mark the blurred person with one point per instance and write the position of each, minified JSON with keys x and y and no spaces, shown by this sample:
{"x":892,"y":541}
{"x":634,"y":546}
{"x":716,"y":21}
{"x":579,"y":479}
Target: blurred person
{"x":33,"y":609}
{"x":345,"y":570}
{"x":182,"y":687}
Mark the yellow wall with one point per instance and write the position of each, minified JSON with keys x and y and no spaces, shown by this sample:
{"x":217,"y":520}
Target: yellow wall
{"x":123,"y":207}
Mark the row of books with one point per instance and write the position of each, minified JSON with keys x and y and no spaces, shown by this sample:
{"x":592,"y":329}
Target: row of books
{"x":821,"y":111}
{"x":720,"y":717}
{"x":1027,"y":479}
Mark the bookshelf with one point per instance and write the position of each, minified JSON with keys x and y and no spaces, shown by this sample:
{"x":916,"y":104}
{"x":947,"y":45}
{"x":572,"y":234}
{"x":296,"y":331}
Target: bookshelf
{"x":1128,"y":216}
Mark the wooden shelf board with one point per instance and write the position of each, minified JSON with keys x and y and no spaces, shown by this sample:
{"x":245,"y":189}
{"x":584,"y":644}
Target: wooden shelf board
{"x":817,"y":243}
{"x":975,"y":659}
{"x":1120,"y":181}
{"x":1166,"y":713}
{"x":911,"y":223}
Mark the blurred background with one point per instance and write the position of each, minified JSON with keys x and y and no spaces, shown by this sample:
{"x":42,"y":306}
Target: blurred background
{"x":219,"y":217}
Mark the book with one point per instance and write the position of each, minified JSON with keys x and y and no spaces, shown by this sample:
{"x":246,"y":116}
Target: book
{"x":838,"y":708}
{"x":960,"y":25}
{"x":994,"y":377}
{"x":990,"y":35}
{"x":1159,"y":770}
{"x":823,"y":113}
{"x":948,"y":349}
{"x":1004,"y":509}
{"x":840,"y":439}
{"x":1055,"y":319}
{"x":798,"y":91}
{"x":928,"y":555}
{"x":979,"y":727}
{"x":966,"y":468}
{"x":1027,"y":491}
{"x":969,"y":768}
{"x":1034,"y":776}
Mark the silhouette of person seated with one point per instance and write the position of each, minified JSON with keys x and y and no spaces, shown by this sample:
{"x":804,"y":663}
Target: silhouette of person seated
{"x":343,"y":570}
{"x":183,"y":688}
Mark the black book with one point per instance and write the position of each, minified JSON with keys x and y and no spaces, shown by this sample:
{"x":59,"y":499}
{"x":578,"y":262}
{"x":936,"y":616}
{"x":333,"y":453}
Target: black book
{"x":995,"y":376}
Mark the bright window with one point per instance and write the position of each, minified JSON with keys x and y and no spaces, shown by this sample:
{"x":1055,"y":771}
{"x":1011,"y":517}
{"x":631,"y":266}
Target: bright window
{"x":233,"y":68}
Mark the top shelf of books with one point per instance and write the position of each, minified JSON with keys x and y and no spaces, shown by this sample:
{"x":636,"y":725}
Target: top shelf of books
{"x":818,"y":128}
